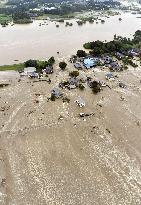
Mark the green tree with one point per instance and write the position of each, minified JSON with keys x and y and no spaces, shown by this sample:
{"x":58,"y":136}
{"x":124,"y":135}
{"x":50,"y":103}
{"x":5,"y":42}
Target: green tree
{"x":31,"y":63}
{"x":81,"y":53}
{"x":51,"y":61}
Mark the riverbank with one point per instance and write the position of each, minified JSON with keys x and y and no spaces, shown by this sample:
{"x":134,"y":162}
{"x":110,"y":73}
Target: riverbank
{"x":15,"y":67}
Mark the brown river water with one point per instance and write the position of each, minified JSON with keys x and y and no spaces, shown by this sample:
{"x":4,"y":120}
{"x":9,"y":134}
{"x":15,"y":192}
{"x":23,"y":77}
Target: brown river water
{"x":22,"y":42}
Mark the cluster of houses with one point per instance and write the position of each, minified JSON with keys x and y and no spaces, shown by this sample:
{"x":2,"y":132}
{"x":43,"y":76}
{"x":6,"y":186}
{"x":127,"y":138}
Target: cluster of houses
{"x":113,"y":64}
{"x":74,"y":82}
{"x":91,"y":62}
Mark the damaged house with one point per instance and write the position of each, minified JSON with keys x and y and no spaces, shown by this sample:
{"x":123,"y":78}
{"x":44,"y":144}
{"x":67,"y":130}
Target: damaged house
{"x":80,"y":102}
{"x":56,"y":93}
{"x":48,"y":70}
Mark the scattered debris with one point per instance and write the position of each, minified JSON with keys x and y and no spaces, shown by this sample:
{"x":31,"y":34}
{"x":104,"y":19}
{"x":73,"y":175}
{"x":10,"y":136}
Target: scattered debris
{"x":3,"y":182}
{"x":80,"y":102}
{"x":2,"y":85}
{"x":66,"y":99}
{"x":110,"y":77}
{"x":85,"y":114}
{"x":60,"y":117}
{"x":122,"y":85}
{"x":108,"y":130}
{"x":4,"y":108}
{"x":48,"y":70}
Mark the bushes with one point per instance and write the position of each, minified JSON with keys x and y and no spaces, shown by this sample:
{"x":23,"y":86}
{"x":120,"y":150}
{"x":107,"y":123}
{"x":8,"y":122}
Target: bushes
{"x":74,"y":73}
{"x":62,"y":65}
{"x":51,"y":61}
{"x":81,"y":86}
{"x":87,"y":45}
{"x":95,"y":87}
{"x":128,"y":61}
{"x":52,"y":98}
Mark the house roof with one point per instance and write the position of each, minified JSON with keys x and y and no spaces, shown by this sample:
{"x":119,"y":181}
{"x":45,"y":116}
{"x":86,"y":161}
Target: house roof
{"x":77,"y":65}
{"x":29,"y":69}
{"x":89,"y":62}
{"x":114,"y":64}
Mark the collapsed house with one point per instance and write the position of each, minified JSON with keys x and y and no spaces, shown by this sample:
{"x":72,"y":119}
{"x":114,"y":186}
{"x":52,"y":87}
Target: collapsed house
{"x":114,"y":66}
{"x":80,"y":102}
{"x":71,"y":83}
{"x":56,"y":93}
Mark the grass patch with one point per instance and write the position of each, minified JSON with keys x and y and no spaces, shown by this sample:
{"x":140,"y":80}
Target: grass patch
{"x":16,"y":67}
{"x":5,"y":18}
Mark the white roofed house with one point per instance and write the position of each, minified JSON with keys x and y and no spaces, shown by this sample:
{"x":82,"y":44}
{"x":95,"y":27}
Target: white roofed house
{"x":30,"y":72}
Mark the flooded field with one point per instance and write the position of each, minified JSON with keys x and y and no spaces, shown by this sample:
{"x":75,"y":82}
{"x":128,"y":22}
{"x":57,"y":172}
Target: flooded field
{"x":48,"y":160}
{"x":22,"y":42}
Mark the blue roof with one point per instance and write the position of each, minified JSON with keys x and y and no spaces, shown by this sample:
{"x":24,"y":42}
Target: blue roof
{"x":89,"y":62}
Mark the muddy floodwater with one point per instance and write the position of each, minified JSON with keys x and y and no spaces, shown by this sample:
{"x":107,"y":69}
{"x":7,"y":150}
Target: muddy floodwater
{"x":22,"y":42}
